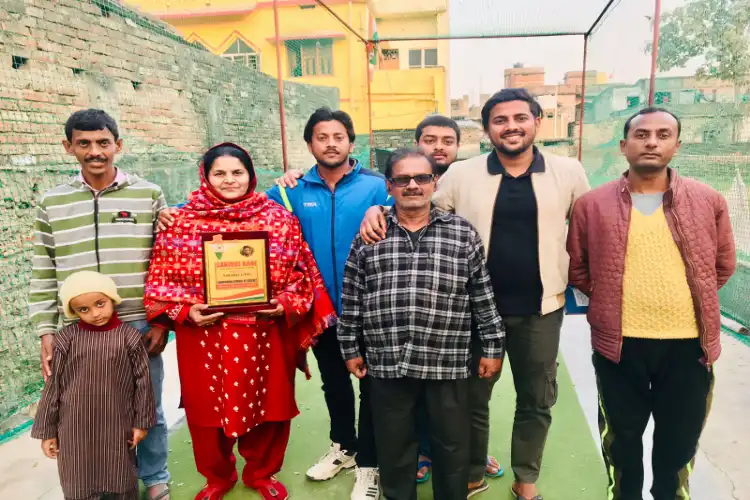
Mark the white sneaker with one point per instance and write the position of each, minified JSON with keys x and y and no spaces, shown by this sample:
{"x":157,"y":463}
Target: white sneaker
{"x":333,"y":462}
{"x":366,"y":484}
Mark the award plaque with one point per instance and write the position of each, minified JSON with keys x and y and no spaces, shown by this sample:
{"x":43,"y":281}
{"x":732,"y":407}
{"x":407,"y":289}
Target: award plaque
{"x":237,"y":271}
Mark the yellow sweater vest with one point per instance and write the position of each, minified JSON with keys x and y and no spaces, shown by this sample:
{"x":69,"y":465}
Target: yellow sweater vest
{"x":656,"y":301}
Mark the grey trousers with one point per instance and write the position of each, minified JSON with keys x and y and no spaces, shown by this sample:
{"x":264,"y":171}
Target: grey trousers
{"x":480,"y":392}
{"x":394,"y":407}
{"x":532,"y":343}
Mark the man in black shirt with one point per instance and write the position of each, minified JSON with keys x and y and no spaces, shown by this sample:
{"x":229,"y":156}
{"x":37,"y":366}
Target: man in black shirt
{"x":515,"y":258}
{"x":518,"y":198}
{"x":511,"y":119}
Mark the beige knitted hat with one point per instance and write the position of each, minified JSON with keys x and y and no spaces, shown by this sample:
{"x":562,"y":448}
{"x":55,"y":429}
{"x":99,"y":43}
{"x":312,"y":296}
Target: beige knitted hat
{"x":86,"y":282}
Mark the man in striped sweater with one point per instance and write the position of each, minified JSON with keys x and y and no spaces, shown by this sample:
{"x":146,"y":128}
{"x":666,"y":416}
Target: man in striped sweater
{"x":102,"y":220}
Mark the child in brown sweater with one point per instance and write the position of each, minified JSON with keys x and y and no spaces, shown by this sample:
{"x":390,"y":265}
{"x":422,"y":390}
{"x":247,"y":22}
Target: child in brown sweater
{"x":98,"y":404}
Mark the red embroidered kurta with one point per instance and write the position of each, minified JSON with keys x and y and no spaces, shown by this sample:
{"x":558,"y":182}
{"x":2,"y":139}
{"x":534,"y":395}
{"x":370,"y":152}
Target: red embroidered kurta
{"x":239,"y":372}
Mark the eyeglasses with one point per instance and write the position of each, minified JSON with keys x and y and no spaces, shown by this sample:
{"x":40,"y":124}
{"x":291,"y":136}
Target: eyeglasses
{"x":405,"y":180}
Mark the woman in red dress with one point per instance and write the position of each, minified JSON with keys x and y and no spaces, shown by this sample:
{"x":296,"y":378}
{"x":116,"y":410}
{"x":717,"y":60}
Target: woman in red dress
{"x":237,"y":370}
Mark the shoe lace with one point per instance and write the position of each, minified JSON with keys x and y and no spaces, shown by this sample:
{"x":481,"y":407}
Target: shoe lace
{"x":331,"y":455}
{"x":364,"y":474}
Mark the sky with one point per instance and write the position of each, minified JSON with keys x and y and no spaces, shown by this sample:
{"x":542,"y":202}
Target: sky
{"x":617,"y":47}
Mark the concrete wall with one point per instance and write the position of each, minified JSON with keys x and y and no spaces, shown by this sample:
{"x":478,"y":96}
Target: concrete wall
{"x":172,"y":101}
{"x":392,"y":139}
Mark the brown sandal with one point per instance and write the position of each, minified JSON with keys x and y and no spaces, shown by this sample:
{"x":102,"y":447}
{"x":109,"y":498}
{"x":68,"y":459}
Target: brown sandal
{"x":516,"y":496}
{"x":480,"y":488}
{"x":162,"y":494}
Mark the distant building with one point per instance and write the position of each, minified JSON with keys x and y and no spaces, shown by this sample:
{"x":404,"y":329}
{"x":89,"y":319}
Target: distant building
{"x":605,"y":101}
{"x":558,"y":113}
{"x":411,"y":80}
{"x":521,"y":77}
{"x":460,"y":107}
{"x":592,"y":78}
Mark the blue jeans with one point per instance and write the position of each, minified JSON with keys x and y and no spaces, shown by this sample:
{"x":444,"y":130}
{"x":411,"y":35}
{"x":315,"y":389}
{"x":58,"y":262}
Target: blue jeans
{"x":152,"y":451}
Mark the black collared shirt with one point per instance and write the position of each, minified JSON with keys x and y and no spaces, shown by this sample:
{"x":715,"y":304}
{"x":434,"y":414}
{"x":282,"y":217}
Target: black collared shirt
{"x":513,"y":260}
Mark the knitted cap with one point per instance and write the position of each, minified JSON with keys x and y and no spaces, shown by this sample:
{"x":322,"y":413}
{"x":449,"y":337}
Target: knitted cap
{"x":86,"y":282}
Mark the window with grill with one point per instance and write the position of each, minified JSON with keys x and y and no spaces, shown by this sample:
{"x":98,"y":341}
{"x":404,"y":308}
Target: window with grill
{"x":662,"y":97}
{"x":310,"y":57}
{"x":242,"y":53}
{"x":423,"y":58}
{"x":390,"y":54}
{"x":430,"y":58}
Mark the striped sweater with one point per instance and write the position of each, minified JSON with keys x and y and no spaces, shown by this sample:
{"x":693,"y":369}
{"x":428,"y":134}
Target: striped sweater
{"x":111,"y":232}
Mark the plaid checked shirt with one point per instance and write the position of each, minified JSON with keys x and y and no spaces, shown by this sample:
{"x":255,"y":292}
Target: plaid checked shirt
{"x":413,"y":305}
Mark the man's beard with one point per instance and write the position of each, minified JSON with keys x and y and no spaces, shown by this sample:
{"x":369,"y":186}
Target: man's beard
{"x":333,"y":166}
{"x":442,"y":168}
{"x":512,"y":153}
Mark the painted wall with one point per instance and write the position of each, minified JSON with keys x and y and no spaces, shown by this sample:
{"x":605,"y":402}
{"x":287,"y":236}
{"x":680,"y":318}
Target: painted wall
{"x":388,"y":28}
{"x":432,"y":21}
{"x":401,"y":99}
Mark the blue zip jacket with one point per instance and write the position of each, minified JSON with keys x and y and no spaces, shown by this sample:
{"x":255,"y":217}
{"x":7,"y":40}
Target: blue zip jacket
{"x":330,"y":220}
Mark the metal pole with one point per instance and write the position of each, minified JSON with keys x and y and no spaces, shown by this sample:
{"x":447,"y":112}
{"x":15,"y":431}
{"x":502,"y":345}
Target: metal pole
{"x":603,"y":13}
{"x":654,"y":51}
{"x":476,"y":37}
{"x":280,"y":85}
{"x":583,"y":96}
{"x":343,"y":23}
{"x":369,"y":104}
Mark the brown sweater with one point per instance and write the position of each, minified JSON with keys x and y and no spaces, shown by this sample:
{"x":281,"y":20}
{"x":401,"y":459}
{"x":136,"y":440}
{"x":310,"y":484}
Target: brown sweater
{"x":468,"y":189}
{"x":99,"y":390}
{"x":698,"y":220}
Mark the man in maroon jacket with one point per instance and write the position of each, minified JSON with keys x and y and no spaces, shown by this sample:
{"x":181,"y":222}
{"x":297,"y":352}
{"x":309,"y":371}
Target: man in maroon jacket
{"x":651,"y":250}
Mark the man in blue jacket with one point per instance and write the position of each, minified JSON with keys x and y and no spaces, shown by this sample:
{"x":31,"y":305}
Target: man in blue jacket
{"x":330,"y":201}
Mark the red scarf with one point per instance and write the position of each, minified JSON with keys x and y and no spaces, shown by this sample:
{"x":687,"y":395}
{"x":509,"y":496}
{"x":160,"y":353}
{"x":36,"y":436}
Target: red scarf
{"x":113,"y":323}
{"x":176,"y":276}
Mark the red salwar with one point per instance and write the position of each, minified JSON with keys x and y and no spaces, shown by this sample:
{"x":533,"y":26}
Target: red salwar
{"x":237,"y":375}
{"x":262,"y":448}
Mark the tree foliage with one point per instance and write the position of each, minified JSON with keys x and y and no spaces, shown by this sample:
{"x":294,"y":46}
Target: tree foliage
{"x":714,"y":32}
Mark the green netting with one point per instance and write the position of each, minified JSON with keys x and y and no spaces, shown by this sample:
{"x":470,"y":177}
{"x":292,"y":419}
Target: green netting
{"x":172,"y":100}
{"x":703,"y":70}
{"x":483,"y":18}
{"x":208,"y":74}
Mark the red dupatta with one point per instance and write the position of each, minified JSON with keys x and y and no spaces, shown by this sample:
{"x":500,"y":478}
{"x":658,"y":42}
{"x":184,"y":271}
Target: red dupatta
{"x":176,"y":277}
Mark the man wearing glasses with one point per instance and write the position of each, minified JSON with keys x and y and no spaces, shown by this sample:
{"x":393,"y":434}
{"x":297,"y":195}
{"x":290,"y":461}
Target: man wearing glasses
{"x":410,"y":301}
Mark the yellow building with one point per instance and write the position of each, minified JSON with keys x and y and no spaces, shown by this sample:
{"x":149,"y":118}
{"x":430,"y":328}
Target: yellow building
{"x":319,"y":50}
{"x":412,"y":77}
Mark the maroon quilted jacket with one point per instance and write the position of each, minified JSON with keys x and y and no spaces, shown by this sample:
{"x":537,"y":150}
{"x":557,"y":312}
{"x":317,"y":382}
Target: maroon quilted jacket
{"x":597,"y":239}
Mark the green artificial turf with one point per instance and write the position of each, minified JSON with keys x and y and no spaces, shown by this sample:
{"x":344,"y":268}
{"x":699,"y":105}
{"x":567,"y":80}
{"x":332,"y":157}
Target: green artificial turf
{"x":572,"y":468}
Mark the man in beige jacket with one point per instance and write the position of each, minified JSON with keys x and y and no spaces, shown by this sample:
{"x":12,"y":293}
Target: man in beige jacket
{"x":519,"y":199}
